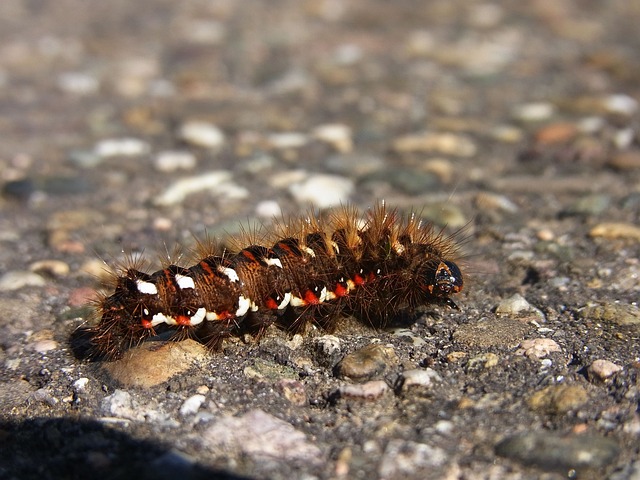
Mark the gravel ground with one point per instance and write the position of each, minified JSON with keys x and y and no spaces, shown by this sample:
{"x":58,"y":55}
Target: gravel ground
{"x":141,"y":125}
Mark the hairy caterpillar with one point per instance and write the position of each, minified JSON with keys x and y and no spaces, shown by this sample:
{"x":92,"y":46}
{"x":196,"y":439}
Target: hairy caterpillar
{"x":311,"y":269}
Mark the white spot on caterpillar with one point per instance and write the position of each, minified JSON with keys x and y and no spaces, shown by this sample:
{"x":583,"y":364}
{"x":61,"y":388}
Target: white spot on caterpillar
{"x":145,"y":312}
{"x":273,"y":261}
{"x":309,"y":251}
{"x":350,"y":285}
{"x":297,"y":301}
{"x":199,"y":316}
{"x":230,"y":273}
{"x":159,"y":318}
{"x":212,"y":316}
{"x":285,"y":301}
{"x":184,"y":281}
{"x":323,"y":295}
{"x":147,"y":288}
{"x":330,"y":296}
{"x":243,"y":306}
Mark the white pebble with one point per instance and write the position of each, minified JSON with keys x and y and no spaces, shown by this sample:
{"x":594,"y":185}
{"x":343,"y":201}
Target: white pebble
{"x":368,"y":391}
{"x":329,"y":344}
{"x":192,"y":404}
{"x":517,"y":304}
{"x":287,"y":140}
{"x":322,"y":190}
{"x":336,"y":134}
{"x":172,"y":160}
{"x":80,"y":384}
{"x":78,"y":82}
{"x":420,"y":377}
{"x":268,"y":209}
{"x":16,"y":279}
{"x":621,"y":103}
{"x":129,"y":147}
{"x":202,"y":134}
{"x":603,"y":369}
{"x":217,"y":182}
{"x":538,"y":348}
{"x":53,"y":267}
{"x":534,"y":112}
{"x":42,"y":346}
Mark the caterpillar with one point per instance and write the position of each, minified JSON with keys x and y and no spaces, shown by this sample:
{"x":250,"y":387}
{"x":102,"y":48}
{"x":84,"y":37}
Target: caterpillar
{"x":313,"y":269}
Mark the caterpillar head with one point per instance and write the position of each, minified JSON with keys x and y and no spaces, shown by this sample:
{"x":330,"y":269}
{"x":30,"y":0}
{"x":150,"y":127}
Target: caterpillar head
{"x":441,"y":280}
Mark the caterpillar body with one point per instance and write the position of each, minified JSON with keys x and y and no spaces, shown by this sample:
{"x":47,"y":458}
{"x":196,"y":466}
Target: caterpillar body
{"x":312,"y":269}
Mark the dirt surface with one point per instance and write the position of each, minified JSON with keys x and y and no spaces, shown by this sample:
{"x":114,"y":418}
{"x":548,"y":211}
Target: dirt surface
{"x":139,"y":125}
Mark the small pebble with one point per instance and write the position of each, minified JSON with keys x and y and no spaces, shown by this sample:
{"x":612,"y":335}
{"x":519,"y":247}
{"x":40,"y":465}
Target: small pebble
{"x":172,"y":160}
{"x":261,"y":436}
{"x":81,"y":384}
{"x":493,"y":201}
{"x":407,"y":459}
{"x":444,"y":214}
{"x":78,"y":83}
{"x":538,"y":348}
{"x":621,"y":103}
{"x":293,"y":391}
{"x":616,"y":313}
{"x":287,"y":140}
{"x":629,"y":160}
{"x":192,"y":404}
{"x":551,"y":451}
{"x":515,"y":305}
{"x":406,"y":180}
{"x":57,"y":268}
{"x":268,"y":209}
{"x":623,"y":138}
{"x":17,"y":279}
{"x":42,"y":346}
{"x":484,"y":360}
{"x":589,"y":205}
{"x":616,"y":230}
{"x":556,"y":133}
{"x":546,"y":235}
{"x":44,"y":396}
{"x":603,"y":369}
{"x":506,"y":133}
{"x":129,"y":147}
{"x":366,"y":391}
{"x":337,"y":135}
{"x":558,"y":399}
{"x":429,"y":142}
{"x":202,"y":134}
{"x":122,"y":405}
{"x":323,"y":191}
{"x":354,"y":164}
{"x":534,"y":112}
{"x":425,"y":378}
{"x":367,"y":362}
{"x":217,"y":183}
{"x":175,"y":358}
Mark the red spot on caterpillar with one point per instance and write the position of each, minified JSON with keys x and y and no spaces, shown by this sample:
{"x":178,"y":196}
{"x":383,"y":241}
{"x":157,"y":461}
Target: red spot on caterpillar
{"x":311,"y":298}
{"x":384,"y":264}
{"x":341,"y":290}
{"x":271,"y":304}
